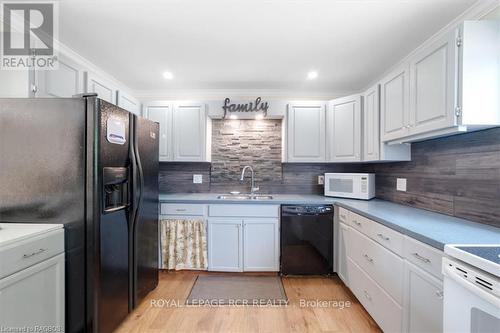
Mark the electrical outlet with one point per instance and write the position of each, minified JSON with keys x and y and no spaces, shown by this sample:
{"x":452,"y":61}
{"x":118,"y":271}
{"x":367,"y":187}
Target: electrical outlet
{"x":197,"y":179}
{"x":321,"y":180}
{"x":401,"y":184}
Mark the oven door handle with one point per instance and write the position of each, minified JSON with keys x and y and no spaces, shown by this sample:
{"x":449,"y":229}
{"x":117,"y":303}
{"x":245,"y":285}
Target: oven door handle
{"x":451,"y":273}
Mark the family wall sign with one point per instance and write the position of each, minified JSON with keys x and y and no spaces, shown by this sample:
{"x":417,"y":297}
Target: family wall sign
{"x":257,"y":106}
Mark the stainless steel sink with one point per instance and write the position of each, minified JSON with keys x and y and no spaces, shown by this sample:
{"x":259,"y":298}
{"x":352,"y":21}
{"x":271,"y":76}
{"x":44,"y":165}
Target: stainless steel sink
{"x":245,"y":197}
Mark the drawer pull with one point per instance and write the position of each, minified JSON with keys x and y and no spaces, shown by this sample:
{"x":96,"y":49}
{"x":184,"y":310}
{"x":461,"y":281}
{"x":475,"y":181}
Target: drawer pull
{"x":25,"y":256}
{"x":180,"y":210}
{"x":419,"y":257}
{"x":357,"y":223}
{"x":367,"y":295}
{"x":368,"y":258}
{"x":383,"y":237}
{"x":439,"y":294}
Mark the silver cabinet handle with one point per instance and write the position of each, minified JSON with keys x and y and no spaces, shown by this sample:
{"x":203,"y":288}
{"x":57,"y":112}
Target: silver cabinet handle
{"x":367,"y":257}
{"x":25,"y":256}
{"x":357,"y":223}
{"x":383,"y":237}
{"x":180,"y":210}
{"x":343,"y":217}
{"x":439,"y":294}
{"x":419,"y":257}
{"x":367,"y":295}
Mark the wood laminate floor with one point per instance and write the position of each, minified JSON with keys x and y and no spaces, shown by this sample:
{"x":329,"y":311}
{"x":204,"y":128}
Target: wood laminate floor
{"x":164,"y":309}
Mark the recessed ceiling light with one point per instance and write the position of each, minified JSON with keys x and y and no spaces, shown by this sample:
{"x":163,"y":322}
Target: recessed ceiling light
{"x":233,"y":116}
{"x":312,"y":75}
{"x":168,"y":75}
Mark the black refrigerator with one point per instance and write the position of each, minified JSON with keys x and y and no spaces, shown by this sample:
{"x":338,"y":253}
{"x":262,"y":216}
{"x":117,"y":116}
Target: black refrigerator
{"x":93,"y":167}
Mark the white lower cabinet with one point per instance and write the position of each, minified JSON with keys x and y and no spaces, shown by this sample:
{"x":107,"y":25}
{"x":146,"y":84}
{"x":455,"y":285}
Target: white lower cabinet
{"x":342,"y":253}
{"x":423,"y":301}
{"x":396,"y":278}
{"x":243,"y":238}
{"x":260,"y":245}
{"x":387,"y":313}
{"x":34,"y":296}
{"x":225,"y":245}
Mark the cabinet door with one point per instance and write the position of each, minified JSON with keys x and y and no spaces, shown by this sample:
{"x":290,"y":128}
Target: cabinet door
{"x":424,"y":301}
{"x":344,"y":129}
{"x":225,"y":250}
{"x":189,"y":129}
{"x":34,"y":296}
{"x":394,"y":104}
{"x":306,"y":133}
{"x":342,"y":253}
{"x":163,"y":116}
{"x":433,"y":78}
{"x":103,"y":89}
{"x":371,"y":124}
{"x":127,"y":102}
{"x":261,"y":245}
{"x":66,"y":81}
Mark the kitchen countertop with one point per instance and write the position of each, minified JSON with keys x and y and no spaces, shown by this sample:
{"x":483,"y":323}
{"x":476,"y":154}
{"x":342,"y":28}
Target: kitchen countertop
{"x":15,"y":232}
{"x":431,"y":228}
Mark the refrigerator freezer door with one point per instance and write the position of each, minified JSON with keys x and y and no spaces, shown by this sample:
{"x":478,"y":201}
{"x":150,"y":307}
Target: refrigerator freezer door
{"x":145,"y":224}
{"x":111,"y":222}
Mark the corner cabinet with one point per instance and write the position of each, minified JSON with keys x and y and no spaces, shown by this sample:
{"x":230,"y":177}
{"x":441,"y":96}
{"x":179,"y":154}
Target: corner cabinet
{"x":184,"y":136}
{"x":394,"y":104}
{"x":305,"y":133}
{"x":373,"y":149}
{"x":344,"y":129}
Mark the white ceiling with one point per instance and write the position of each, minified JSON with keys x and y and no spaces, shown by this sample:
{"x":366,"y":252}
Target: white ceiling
{"x":250,"y":44}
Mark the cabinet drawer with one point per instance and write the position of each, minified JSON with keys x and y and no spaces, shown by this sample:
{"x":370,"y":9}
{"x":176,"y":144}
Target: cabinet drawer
{"x":389,"y":238}
{"x":182,"y":209}
{"x":383,"y":266}
{"x":244,"y":210}
{"x":424,"y":256}
{"x":386,"y":312}
{"x":31,"y":251}
{"x":360,"y":223}
{"x":343,"y":215}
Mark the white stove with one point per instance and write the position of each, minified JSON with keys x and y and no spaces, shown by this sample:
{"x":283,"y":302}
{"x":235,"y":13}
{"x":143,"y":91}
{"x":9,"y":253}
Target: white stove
{"x":472,"y":288}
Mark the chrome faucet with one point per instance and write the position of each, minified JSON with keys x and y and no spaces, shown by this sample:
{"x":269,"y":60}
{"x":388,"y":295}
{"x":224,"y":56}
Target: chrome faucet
{"x":253,"y":189}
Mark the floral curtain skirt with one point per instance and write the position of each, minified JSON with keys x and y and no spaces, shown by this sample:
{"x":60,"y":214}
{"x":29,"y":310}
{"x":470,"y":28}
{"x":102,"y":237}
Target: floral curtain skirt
{"x":183,"y":244}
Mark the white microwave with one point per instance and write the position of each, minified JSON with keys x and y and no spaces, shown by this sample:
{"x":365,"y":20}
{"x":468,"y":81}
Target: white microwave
{"x":350,"y":185}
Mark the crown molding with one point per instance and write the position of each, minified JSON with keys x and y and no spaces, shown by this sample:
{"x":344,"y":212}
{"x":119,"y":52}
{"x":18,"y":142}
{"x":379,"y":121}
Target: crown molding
{"x":176,"y":94}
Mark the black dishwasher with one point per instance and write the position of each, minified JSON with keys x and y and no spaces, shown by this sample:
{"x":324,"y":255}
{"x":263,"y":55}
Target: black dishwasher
{"x":306,"y":240}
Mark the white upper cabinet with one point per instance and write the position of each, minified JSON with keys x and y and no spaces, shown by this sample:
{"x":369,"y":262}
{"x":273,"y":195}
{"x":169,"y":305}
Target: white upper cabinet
{"x":373,"y":149}
{"x":66,"y":81}
{"x":104,"y":90}
{"x":162,"y":114}
{"x":371,"y":124}
{"x":183,"y":130}
{"x":306,"y":132}
{"x":128,"y":102}
{"x":394,"y":104}
{"x":449,"y":85}
{"x":189,"y":129}
{"x":433,"y":75}
{"x":344,"y":129}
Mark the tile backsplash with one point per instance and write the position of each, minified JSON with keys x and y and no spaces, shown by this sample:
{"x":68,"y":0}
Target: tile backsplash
{"x":457,"y":175}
